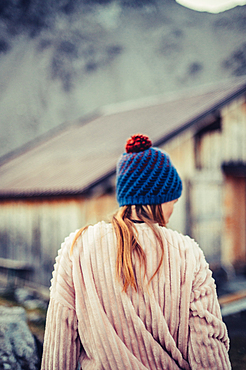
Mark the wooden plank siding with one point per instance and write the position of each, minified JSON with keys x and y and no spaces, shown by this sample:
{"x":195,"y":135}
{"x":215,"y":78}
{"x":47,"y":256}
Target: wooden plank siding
{"x":213,"y":205}
{"x":206,"y":215}
{"x":234,"y":232}
{"x":181,"y":151}
{"x":227,"y":143}
{"x":32,"y":231}
{"x":198,"y":213}
{"x":234,"y":131}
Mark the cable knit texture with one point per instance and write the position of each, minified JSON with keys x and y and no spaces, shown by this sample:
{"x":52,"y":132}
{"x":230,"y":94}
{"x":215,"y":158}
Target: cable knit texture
{"x":174,"y":323}
{"x":146,"y":177}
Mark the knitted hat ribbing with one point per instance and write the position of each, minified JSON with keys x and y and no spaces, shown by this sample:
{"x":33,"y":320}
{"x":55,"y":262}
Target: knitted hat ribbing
{"x":145,"y":175}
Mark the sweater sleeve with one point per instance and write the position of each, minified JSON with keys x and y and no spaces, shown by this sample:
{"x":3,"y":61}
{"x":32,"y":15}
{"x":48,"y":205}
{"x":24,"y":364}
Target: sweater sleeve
{"x":208,"y":339}
{"x":61,"y":341}
{"x":62,"y":344}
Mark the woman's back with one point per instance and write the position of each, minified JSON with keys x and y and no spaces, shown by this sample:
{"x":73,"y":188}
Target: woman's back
{"x":132,"y":294}
{"x":156,"y":327}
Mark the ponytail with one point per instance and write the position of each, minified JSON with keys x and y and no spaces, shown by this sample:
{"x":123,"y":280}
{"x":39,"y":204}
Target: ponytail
{"x":127,"y":241}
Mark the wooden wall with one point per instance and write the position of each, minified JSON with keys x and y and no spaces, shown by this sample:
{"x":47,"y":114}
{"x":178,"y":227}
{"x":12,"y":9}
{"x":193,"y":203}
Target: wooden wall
{"x":33,"y":230}
{"x":204,"y":210}
{"x":198,"y":213}
{"x":181,"y":151}
{"x":234,"y":230}
{"x":228,"y":143}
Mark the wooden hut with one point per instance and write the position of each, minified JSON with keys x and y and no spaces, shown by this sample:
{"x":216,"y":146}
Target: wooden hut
{"x":65,"y":179}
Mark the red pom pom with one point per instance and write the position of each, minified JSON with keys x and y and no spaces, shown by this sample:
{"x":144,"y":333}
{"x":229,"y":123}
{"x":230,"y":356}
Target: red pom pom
{"x":138,"y":143}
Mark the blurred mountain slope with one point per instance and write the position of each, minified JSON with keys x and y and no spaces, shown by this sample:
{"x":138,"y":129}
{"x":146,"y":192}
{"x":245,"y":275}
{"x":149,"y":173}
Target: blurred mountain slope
{"x":60,"y":60}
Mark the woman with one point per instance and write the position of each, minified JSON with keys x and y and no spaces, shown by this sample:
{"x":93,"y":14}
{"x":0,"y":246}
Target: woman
{"x":133,"y":294}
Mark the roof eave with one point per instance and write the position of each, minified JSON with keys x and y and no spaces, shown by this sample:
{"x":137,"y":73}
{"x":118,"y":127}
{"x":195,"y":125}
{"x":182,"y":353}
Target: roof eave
{"x":212,"y":110}
{"x":63,"y":193}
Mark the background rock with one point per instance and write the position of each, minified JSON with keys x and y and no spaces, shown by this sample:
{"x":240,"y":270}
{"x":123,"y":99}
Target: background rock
{"x":17,"y":345}
{"x":63,"y":59}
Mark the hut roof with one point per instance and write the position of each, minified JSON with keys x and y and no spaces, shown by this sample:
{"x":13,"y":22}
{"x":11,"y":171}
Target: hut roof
{"x":78,"y":156}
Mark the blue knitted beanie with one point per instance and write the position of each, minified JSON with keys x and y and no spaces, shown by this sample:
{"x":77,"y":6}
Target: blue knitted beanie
{"x":145,"y":175}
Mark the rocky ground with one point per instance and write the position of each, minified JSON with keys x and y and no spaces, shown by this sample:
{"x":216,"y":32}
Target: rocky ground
{"x":34,"y":306}
{"x":22,"y":323}
{"x":19,"y":349}
{"x":236,"y":325}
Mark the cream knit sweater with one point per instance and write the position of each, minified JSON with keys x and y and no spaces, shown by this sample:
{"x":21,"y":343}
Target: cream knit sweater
{"x":174,"y":324}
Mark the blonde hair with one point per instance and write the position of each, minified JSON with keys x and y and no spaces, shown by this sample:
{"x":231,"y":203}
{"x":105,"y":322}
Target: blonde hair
{"x":127,"y":241}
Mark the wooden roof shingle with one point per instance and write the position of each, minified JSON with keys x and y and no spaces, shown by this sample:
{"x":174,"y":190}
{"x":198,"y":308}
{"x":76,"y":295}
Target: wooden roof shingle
{"x":84,"y":154}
